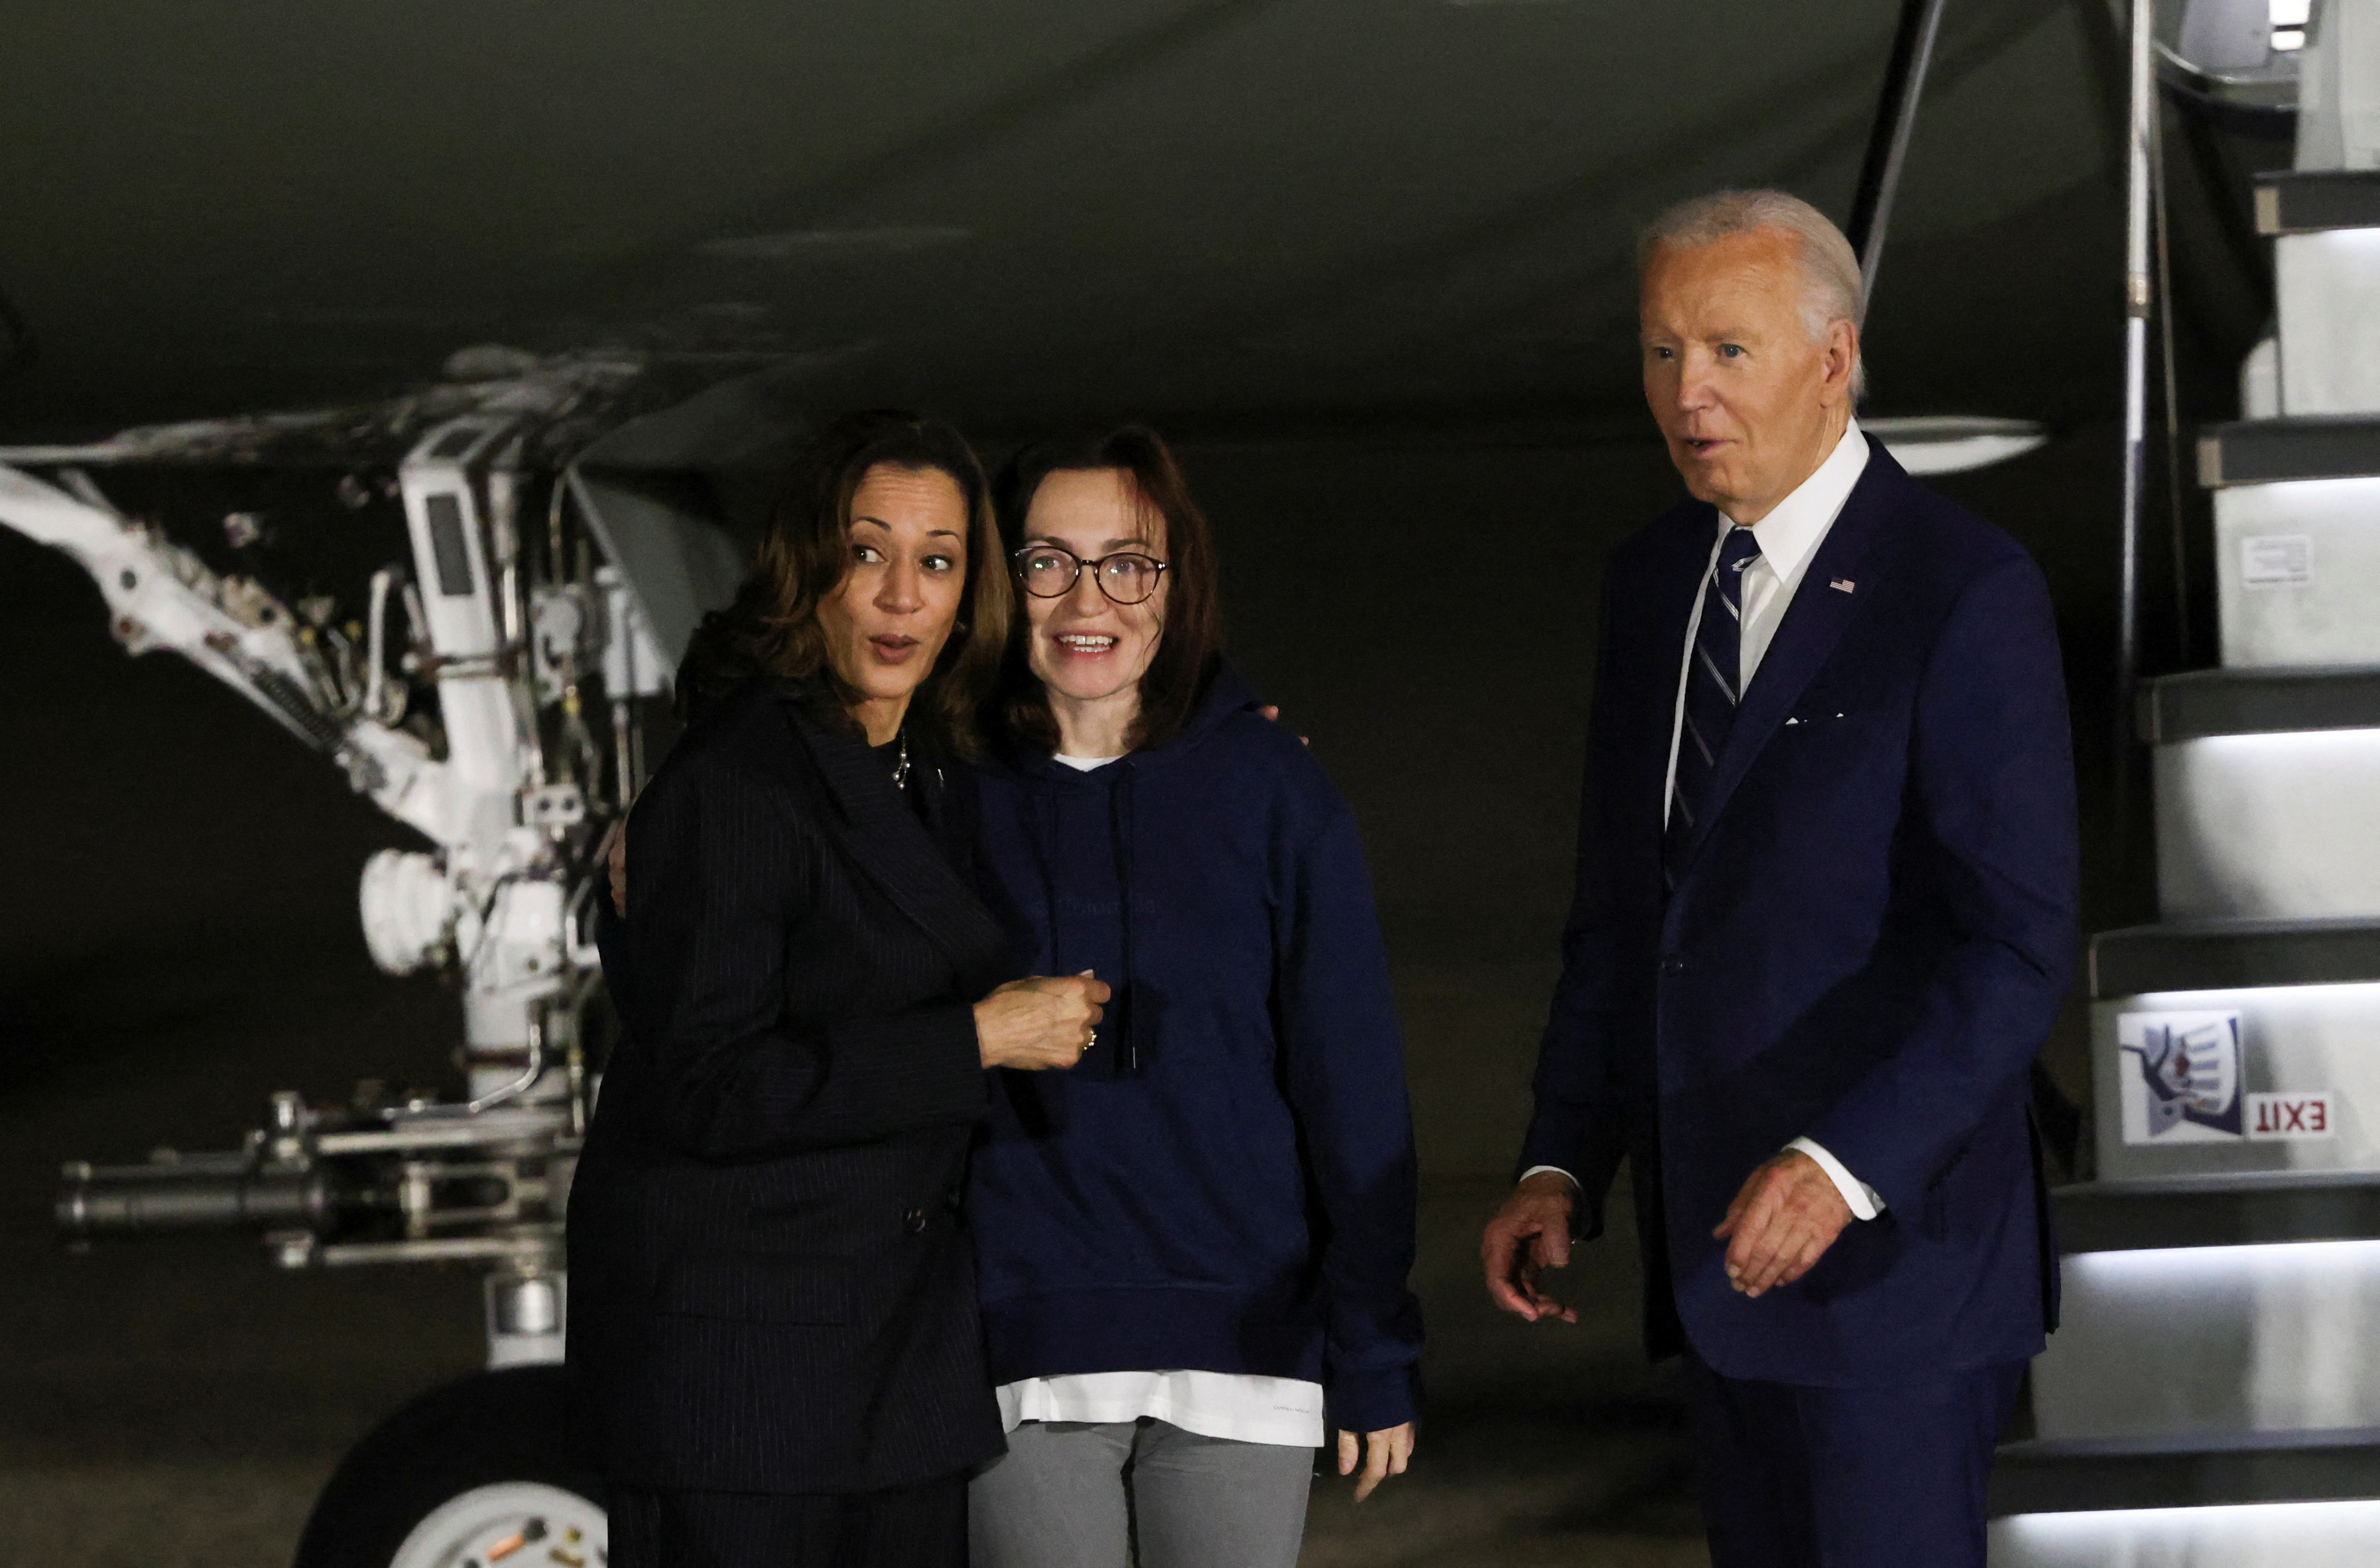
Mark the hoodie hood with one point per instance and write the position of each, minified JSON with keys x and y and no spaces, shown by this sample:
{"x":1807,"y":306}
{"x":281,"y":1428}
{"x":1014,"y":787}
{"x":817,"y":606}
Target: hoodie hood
{"x":1227,"y":694}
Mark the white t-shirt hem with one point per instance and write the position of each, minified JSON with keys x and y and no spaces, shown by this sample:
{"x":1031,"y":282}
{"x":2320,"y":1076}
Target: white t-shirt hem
{"x":1238,"y":1406}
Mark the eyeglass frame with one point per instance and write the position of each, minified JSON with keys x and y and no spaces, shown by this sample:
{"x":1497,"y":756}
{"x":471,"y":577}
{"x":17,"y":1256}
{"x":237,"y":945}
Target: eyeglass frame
{"x":1016,"y":570}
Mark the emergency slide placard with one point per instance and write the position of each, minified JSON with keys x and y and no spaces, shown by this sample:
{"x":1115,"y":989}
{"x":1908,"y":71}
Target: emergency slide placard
{"x":2185,"y":1081}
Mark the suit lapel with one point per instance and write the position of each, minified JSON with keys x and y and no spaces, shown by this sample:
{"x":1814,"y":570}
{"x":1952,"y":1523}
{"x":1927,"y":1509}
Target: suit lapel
{"x":894,"y":850}
{"x":1814,"y":624}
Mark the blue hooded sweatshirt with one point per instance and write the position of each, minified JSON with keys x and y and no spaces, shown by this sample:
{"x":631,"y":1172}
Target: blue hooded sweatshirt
{"x":1225,"y":1182}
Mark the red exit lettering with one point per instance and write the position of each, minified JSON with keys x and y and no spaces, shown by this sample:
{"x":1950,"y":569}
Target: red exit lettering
{"x":2303,"y":1115}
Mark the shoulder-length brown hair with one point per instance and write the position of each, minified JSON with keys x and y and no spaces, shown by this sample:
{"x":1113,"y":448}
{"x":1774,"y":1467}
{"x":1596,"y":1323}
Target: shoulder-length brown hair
{"x":1190,"y":642}
{"x":772,"y":627}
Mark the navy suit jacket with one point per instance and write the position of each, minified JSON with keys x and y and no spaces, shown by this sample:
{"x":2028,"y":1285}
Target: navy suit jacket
{"x":1868,"y":938}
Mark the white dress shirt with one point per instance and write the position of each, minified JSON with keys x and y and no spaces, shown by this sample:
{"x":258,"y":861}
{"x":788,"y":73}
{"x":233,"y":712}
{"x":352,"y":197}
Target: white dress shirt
{"x":1789,"y":538}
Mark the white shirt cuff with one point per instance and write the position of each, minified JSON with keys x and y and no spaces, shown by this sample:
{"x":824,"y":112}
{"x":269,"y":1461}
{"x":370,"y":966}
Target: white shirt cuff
{"x":1555,"y":1169}
{"x":1865,"y":1203}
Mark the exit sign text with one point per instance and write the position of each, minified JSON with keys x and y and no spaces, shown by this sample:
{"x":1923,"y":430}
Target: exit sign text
{"x":2272,"y":1116}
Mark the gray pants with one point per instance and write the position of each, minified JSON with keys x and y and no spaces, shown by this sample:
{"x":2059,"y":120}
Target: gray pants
{"x":1085,"y":1494}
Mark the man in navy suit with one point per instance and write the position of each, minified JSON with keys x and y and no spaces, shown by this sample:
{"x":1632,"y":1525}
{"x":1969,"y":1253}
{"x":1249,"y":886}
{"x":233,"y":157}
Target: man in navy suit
{"x":1826,"y":912}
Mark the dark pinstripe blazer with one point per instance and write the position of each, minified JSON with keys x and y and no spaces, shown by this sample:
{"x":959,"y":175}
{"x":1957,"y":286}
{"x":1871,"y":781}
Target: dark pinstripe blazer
{"x":770,"y":1289}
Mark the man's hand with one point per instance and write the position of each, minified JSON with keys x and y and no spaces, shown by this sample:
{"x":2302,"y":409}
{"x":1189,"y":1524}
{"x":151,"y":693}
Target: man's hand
{"x":1385,"y":1455}
{"x":614,"y":853}
{"x":1781,"y":1223}
{"x":1528,"y":1235}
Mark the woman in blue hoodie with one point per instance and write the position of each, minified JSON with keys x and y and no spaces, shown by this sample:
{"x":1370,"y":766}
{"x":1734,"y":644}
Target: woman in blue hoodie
{"x":1193,"y":1249}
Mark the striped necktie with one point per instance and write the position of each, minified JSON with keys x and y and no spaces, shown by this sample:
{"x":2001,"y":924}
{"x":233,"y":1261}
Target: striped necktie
{"x":1711,"y":694}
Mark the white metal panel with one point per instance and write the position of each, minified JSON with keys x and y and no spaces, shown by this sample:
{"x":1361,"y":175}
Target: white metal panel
{"x":2295,"y":1041}
{"x":2339,"y":87}
{"x":2328,"y":288}
{"x":2212,"y":1339}
{"x":2297,"y":569}
{"x":2264,"y":1534}
{"x":450,"y":545}
{"x":2279,"y":826}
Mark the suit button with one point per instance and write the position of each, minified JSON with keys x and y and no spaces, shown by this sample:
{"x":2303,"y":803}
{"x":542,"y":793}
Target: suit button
{"x":1673,"y":964}
{"x":954,"y":1200}
{"x":914,"y":1220}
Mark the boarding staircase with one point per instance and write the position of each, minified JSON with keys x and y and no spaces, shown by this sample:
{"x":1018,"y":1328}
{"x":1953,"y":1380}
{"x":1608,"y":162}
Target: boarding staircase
{"x":2212,"y":1399}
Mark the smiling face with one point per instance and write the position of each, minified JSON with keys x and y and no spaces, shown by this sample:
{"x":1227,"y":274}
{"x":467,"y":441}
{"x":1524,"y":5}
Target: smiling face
{"x":1749,"y":404}
{"x":1083,"y":645}
{"x":885,"y":627}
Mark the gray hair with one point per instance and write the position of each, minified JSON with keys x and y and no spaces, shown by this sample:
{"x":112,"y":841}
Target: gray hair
{"x":1831,"y":272}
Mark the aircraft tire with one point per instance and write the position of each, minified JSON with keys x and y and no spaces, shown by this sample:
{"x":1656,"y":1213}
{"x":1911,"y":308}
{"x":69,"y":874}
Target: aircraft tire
{"x":479,"y":1474}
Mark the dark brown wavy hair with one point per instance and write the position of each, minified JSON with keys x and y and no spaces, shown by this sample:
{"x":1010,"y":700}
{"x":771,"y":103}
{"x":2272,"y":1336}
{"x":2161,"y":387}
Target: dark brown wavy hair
{"x":1190,"y":641}
{"x":772,"y":628}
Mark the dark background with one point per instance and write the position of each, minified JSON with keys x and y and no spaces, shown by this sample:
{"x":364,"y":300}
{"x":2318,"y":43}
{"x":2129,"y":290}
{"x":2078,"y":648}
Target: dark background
{"x":1368,"y":262}
{"x":182,"y":940}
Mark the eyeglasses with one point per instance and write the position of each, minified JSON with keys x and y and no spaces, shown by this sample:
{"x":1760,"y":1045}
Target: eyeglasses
{"x":1047,"y":572}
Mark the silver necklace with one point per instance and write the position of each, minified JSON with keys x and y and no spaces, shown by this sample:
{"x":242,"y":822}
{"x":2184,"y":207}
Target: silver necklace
{"x":900,"y":764}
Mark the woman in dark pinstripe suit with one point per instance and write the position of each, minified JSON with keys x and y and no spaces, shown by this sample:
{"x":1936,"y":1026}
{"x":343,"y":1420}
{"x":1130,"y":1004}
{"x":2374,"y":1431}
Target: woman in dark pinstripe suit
{"x":772,"y":1325}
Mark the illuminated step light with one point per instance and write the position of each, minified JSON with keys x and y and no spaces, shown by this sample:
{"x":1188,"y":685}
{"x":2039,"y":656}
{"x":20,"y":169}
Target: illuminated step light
{"x":2355,"y":1000}
{"x":2251,"y":1534}
{"x":2288,"y":19}
{"x":1954,"y":444}
{"x":2181,"y":1273}
{"x":2272,"y":826}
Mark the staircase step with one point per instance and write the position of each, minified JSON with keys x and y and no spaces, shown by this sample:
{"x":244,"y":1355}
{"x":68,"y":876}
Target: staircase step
{"x":2211,"y":702}
{"x":2295,"y":201}
{"x":2079,"y":1475}
{"x":2232,"y":1209}
{"x":2312,"y":446}
{"x":2233,"y":955}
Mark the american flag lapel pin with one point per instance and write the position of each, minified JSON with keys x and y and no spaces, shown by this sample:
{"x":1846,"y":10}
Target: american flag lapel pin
{"x":1842,"y":585}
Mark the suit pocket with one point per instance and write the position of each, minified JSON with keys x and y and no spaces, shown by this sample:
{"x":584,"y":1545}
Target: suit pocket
{"x":1821,"y":719}
{"x":757,"y":1288}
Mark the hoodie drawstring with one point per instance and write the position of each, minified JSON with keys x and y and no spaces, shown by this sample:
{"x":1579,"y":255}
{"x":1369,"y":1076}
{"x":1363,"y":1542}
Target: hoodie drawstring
{"x":1120,"y":824}
{"x":1041,"y":823}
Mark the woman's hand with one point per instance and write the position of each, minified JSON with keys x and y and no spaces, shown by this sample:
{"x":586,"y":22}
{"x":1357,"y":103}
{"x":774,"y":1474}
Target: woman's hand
{"x":1047,"y":1021}
{"x":1385,"y":1455}
{"x":1273,"y":714}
